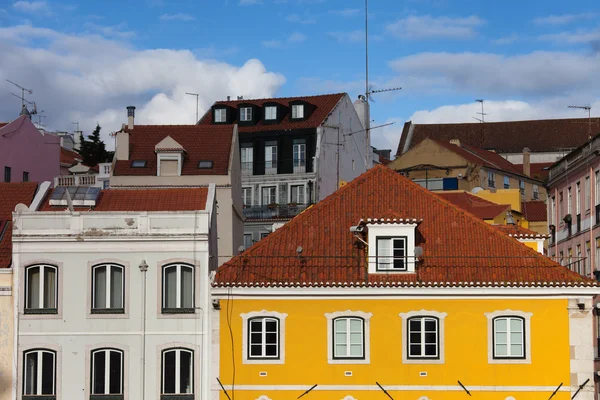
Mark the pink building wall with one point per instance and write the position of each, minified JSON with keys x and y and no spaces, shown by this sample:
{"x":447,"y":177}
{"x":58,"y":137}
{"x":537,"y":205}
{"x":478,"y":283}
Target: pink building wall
{"x":24,"y":148}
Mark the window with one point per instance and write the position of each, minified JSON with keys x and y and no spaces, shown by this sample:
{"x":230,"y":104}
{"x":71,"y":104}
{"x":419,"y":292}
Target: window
{"x":297,"y":194}
{"x":247,"y":196}
{"x":271,"y":156}
{"x":39,"y":373}
{"x":588,"y":252}
{"x":177,"y":372}
{"x":138,"y":164}
{"x":578,"y":199}
{"x":491,"y":179}
{"x":246,"y":114}
{"x":178,"y":289}
{"x":597,"y":187}
{"x":107,"y":289}
{"x":578,"y":262}
{"x":536,"y":192}
{"x":41,"y":294}
{"x":509,"y":337}
{"x":348,"y":338}
{"x":169,"y":164}
{"x":271,"y":113}
{"x":522,"y":187}
{"x":423,"y":337}
{"x":246,"y":154}
{"x":6,"y":174}
{"x":220,"y":115}
{"x":506,"y":182}
{"x":205,"y":164}
{"x":560,"y":206}
{"x":299,"y":153}
{"x":264,"y":235}
{"x":248,"y":240}
{"x":569,"y":202}
{"x":25,"y":176}
{"x":391,"y":253}
{"x":561,"y":257}
{"x":269,"y":195}
{"x":264,"y":338}
{"x":552,"y":210}
{"x":297,"y":111}
{"x":586,"y":193}
{"x":107,"y":372}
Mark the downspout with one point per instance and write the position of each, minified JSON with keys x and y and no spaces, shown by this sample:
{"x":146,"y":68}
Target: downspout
{"x":144,"y":269}
{"x":16,"y":296}
{"x":592,"y":209}
{"x":556,"y":214}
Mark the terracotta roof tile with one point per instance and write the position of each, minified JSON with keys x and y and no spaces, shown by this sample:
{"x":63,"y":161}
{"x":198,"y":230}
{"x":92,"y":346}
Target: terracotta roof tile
{"x":476,"y":205}
{"x":69,"y":157}
{"x":458,"y":248}
{"x":200,"y":143}
{"x":11,"y":194}
{"x":534,"y":211}
{"x":2,"y":124}
{"x":519,"y":232}
{"x":324,"y":105}
{"x":506,"y":137}
{"x":539,"y":171}
{"x":188,"y":199}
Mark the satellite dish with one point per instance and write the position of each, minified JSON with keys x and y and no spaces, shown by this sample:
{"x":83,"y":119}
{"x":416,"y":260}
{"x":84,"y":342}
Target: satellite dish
{"x":477,"y":189}
{"x":19,"y":208}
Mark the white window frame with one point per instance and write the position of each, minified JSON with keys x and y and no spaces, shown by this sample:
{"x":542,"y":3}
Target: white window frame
{"x":552,"y":210}
{"x":536,"y":192}
{"x":393,"y":229}
{"x":526,"y":316}
{"x":245,"y":114}
{"x":491,"y":179}
{"x":522,"y":187}
{"x":270,"y":113}
{"x":178,"y":351}
{"x":569,"y":201}
{"x":348,"y":335}
{"x":246,"y":189}
{"x":247,"y":159}
{"x":178,"y":266}
{"x":246,"y":317}
{"x":297,"y":111}
{"x":263,"y":341}
{"x":391,"y":257}
{"x":597,"y":187}
{"x":366,"y":317}
{"x":41,"y":286}
{"x":38,"y":388}
{"x":441,"y":317}
{"x":246,"y":235}
{"x":506,"y":182}
{"x":296,"y":186}
{"x":220,"y":115}
{"x":276,"y":194}
{"x":106,"y":372}
{"x":109,"y":268}
{"x":578,"y":198}
{"x":587,"y":193}
{"x":299,"y":148}
{"x":168,"y":157}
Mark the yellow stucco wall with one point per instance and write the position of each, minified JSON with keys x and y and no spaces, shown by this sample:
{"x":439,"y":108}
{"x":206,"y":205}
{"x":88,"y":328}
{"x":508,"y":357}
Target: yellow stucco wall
{"x":503,"y":196}
{"x":465,"y":342}
{"x":6,"y":339}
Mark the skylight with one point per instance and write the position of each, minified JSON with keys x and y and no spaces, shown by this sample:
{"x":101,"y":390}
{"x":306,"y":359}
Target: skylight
{"x":138,"y":164}
{"x":205,"y":164}
{"x":80,"y":195}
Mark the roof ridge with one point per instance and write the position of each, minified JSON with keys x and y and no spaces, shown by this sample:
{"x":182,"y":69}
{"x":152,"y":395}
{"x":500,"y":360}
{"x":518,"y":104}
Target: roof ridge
{"x":279,"y":98}
{"x":509,"y":122}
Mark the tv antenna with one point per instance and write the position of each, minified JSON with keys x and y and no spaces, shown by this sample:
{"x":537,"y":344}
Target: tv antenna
{"x":31,"y":103}
{"x":77,"y":125}
{"x":40,"y":116}
{"x":589,"y":111}
{"x":195,"y":94}
{"x":23,"y":90}
{"x":482,"y":113}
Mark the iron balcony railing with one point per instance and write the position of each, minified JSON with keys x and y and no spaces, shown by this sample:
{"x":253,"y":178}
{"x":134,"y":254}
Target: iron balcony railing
{"x":295,"y":166}
{"x":273,"y":211}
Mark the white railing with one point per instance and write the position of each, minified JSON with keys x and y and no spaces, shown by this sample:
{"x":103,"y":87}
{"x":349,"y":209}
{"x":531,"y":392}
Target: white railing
{"x":76,"y":180}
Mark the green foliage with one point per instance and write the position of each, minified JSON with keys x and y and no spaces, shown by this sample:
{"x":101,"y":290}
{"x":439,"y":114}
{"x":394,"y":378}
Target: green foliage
{"x":93,"y":150}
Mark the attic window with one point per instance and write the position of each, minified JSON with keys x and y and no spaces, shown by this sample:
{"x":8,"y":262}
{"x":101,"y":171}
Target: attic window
{"x":205,"y":164}
{"x":220,"y":115}
{"x":391,"y":246}
{"x":246,"y":114}
{"x":270,"y":113}
{"x":138,"y":164}
{"x":297,"y":111}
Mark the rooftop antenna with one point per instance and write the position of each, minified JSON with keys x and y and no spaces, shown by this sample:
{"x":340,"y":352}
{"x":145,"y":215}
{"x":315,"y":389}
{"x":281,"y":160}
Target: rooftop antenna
{"x":589,"y":111}
{"x":40,"y":116}
{"x":23,"y":90}
{"x":195,"y":94}
{"x":77,"y":125}
{"x":482,"y":113}
{"x":31,"y":103}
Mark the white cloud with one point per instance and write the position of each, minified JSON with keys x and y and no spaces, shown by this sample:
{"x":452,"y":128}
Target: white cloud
{"x":346,"y":12}
{"x":89,"y":79}
{"x":296,"y":37}
{"x":177,"y":17}
{"x":271,"y":44}
{"x":510,"y":39}
{"x":580,"y":36}
{"x":249,"y":2}
{"x":115,"y":31}
{"x":31,"y":6}
{"x":306,"y":19}
{"x":563,"y":19}
{"x":293,"y":38}
{"x":428,"y":27}
{"x":348,"y":37}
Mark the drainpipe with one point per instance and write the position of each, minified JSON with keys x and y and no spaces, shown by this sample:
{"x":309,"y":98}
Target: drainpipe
{"x":556,"y":214}
{"x":592,"y":209}
{"x":144,"y":270}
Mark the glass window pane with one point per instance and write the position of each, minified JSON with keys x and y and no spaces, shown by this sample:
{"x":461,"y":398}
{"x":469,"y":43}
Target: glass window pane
{"x":501,"y":338}
{"x":187,"y":282}
{"x":49,"y":287}
{"x":414,"y":325}
{"x":33,"y":287}
{"x":116,"y":286}
{"x":356,"y":338}
{"x":170,"y":287}
{"x":98,"y":378}
{"x":271,"y":338}
{"x":356,"y":325}
{"x":431,"y":350}
{"x":516,"y":350}
{"x":383,"y":252}
{"x":100,"y":287}
{"x":501,"y":325}
{"x":255,"y":350}
{"x":185,"y":372}
{"x":47,"y":373}
{"x":256,"y":325}
{"x":415,"y":337}
{"x":31,"y":363}
{"x":356,"y":350}
{"x":116,"y":372}
{"x":340,"y":338}
{"x":340,"y":350}
{"x":271,"y":325}
{"x":430,"y":338}
{"x":415,"y":350}
{"x":516,"y":338}
{"x":430,"y":325}
{"x":271,"y":350}
{"x":501,"y":350}
{"x":340,"y":325}
{"x":169,"y":372}
{"x":516,"y":325}
{"x":256,"y":338}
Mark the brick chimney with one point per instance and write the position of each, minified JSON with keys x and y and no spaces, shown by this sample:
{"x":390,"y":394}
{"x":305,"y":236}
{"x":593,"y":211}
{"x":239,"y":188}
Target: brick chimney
{"x":130,"y":116}
{"x":455,"y":142}
{"x":527,"y":161}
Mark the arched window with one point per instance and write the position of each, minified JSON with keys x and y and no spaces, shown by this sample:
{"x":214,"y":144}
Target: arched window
{"x":107,"y":372}
{"x":178,"y":288}
{"x":39,"y":373}
{"x":41,"y":289}
{"x":423,"y":337}
{"x":348,"y":338}
{"x":263,"y":338}
{"x":509,"y":337}
{"x":177,"y":371}
{"x":108,"y":289}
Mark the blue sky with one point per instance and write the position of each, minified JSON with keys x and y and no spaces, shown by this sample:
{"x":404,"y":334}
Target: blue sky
{"x":87,"y":60}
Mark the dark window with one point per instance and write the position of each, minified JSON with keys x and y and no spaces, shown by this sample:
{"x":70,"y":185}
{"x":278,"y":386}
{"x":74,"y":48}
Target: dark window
{"x":205,"y":164}
{"x":6,"y":174}
{"x":39,"y":375}
{"x":41,"y":290}
{"x":107,"y":289}
{"x":391,"y":253}
{"x":138,"y":164}
{"x":264,"y":338}
{"x":107,"y":371}
{"x":177,"y":371}
{"x":178,"y":288}
{"x":25,"y":176}
{"x":423,"y":337}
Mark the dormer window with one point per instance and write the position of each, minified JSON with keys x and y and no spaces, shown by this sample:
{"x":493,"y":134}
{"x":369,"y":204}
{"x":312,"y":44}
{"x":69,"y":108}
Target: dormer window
{"x":169,"y":157}
{"x":220,"y":115}
{"x":271,"y":113}
{"x":391,"y":253}
{"x":391,"y":245}
{"x":297,"y":111}
{"x":246,"y":114}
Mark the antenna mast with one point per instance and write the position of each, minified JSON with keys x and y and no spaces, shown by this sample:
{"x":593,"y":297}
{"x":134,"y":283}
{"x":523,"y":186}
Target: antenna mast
{"x":589,"y":111}
{"x":482,"y":113}
{"x":23,"y":90}
{"x":195,"y":94}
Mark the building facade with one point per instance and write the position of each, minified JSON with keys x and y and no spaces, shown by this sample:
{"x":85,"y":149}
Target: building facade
{"x":114,"y":303}
{"x":380,"y":292}
{"x":294,"y":152}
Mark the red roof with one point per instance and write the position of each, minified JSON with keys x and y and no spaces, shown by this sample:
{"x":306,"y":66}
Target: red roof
{"x":188,"y":199}
{"x":458,"y":248}
{"x":11,"y":194}
{"x":479,"y":207}
{"x":519,"y":232}
{"x":324,"y":105}
{"x":201,"y":143}
{"x":547,"y":135}
{"x":534,"y":211}
{"x":69,"y":157}
{"x":3,"y":124}
{"x":538,"y":170}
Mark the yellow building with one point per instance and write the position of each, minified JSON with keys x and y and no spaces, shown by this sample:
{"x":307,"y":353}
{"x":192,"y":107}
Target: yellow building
{"x":387,"y":291}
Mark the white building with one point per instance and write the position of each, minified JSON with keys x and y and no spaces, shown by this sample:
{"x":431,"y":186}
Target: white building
{"x":114,"y":303}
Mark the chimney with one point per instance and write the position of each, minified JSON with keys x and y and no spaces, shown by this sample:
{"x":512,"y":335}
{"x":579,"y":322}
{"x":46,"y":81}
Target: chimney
{"x":130,"y":116}
{"x":240,"y":97}
{"x":363,"y":111}
{"x":527,"y":161}
{"x":228,"y":98}
{"x":122,"y":145}
{"x":455,"y":142}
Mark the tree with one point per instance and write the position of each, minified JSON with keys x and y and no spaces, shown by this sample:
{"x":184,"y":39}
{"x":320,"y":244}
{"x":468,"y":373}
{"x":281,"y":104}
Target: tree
{"x":93,"y":150}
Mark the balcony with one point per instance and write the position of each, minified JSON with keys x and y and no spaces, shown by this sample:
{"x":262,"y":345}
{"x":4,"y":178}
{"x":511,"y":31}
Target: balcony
{"x":273,"y":211}
{"x":76,"y":180}
{"x":300,"y":166}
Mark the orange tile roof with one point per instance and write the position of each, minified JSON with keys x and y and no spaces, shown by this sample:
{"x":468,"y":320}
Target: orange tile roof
{"x":2,"y":124}
{"x":188,"y":199}
{"x":519,"y":232}
{"x":479,"y":207}
{"x":11,"y":194}
{"x":200,"y":143}
{"x":458,"y":248}
{"x":539,"y":171}
{"x":324,"y":105}
{"x":69,"y":157}
{"x":534,"y":211}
